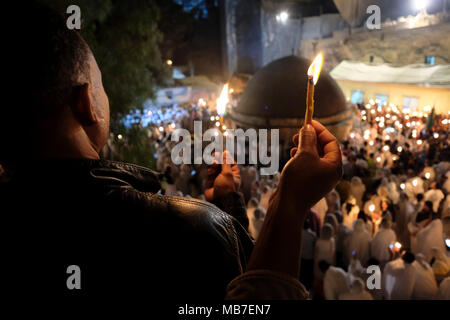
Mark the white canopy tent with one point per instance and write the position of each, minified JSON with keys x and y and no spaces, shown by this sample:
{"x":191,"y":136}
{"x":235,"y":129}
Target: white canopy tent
{"x":412,"y":87}
{"x":420,"y":74}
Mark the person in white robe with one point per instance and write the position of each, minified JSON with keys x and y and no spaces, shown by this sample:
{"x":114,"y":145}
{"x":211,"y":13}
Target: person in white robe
{"x":425,"y":285}
{"x":440,"y":263}
{"x":403,"y":216}
{"x":358,"y":243}
{"x":434,"y":195}
{"x":265,"y":197}
{"x":357,"y":291}
{"x":357,"y":189}
{"x":256,"y":222}
{"x":325,"y":248}
{"x":379,"y":246}
{"x":335,"y":283}
{"x":399,"y":278}
{"x":321,"y":208}
{"x":444,"y":290}
{"x":350,"y":211}
{"x":429,"y":237}
{"x":251,"y":206}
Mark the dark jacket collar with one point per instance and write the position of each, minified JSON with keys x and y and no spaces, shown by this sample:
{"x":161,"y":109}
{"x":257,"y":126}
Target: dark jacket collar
{"x":91,"y":170}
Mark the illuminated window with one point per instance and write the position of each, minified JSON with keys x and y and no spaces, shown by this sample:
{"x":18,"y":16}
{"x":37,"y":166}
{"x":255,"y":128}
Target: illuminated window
{"x":429,"y":60}
{"x":410,"y":103}
{"x":357,"y":97}
{"x":382,"y":99}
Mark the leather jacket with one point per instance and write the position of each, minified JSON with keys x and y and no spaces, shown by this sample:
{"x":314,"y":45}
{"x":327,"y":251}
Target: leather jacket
{"x":108,"y":219}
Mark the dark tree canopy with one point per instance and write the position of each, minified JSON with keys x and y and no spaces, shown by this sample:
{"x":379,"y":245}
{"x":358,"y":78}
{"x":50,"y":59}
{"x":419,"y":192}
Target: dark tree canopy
{"x":125,"y":38}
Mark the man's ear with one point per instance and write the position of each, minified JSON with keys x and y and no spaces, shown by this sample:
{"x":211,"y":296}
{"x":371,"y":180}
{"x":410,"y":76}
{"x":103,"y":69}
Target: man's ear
{"x":82,"y":105}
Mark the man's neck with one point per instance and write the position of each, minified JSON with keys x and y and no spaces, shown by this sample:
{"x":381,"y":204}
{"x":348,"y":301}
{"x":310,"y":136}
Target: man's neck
{"x":75,"y":144}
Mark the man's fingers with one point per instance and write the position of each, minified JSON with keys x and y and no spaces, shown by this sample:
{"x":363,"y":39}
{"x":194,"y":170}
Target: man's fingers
{"x":293,"y":151}
{"x":295,"y":139}
{"x":308,"y":140}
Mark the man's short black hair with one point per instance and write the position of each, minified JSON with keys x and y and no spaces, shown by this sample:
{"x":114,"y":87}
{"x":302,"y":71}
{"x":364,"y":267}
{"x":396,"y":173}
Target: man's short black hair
{"x":58,"y":58}
{"x":323,"y":265}
{"x":47,"y":59}
{"x":408,"y":257}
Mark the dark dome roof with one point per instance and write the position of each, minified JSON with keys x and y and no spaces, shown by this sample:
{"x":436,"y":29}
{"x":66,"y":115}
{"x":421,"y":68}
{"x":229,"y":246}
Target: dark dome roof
{"x":279,"y":91}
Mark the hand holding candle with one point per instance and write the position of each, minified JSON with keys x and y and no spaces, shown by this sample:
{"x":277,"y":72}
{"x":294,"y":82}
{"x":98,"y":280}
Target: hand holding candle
{"x":313,"y":77}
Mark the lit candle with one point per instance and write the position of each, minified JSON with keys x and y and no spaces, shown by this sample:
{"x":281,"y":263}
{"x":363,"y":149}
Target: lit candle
{"x":221,"y":104}
{"x":313,"y":77}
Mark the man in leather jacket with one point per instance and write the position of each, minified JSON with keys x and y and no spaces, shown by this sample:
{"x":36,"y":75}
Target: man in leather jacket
{"x":64,"y":209}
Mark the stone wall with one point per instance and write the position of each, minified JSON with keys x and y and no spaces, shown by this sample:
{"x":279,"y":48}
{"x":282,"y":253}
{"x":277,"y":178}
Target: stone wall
{"x":396,"y":43}
{"x":281,"y":40}
{"x":255,"y":38}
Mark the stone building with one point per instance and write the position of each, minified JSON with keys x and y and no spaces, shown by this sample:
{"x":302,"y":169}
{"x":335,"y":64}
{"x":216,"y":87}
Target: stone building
{"x":255,"y":37}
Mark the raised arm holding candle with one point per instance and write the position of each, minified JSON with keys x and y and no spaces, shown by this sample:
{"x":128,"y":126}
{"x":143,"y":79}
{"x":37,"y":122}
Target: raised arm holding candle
{"x":313,"y":77}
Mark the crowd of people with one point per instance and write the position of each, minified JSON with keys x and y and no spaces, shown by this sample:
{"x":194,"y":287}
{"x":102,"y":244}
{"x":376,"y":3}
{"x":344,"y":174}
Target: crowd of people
{"x":391,"y":209}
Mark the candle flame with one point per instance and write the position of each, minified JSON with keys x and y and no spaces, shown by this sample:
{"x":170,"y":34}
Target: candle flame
{"x":315,"y":68}
{"x":223,"y":100}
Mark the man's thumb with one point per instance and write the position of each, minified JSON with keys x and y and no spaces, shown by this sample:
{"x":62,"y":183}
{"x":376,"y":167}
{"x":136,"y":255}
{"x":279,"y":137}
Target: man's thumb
{"x":308,"y":140}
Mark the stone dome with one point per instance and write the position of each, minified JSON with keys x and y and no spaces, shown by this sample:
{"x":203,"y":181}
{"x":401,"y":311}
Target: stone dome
{"x":279,"y":91}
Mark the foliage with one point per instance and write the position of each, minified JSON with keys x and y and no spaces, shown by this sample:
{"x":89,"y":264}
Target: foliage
{"x":134,"y":147}
{"x":124,"y":37}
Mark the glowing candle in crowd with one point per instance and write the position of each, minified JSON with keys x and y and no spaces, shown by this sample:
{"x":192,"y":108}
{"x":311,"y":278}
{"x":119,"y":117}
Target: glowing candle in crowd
{"x":119,"y":136}
{"x":213,"y":118}
{"x":201,"y":102}
{"x":313,"y":77}
{"x":161,"y":129}
{"x":436,"y":135}
{"x":372,"y":208}
{"x":447,"y":243}
{"x":419,"y":142}
{"x":386,"y":148}
{"x":363,"y":112}
{"x":169,"y":62}
{"x":427,"y":175}
{"x":377,"y":119}
{"x":378,"y":159}
{"x":408,"y":124}
{"x":368,"y":106}
{"x":400,"y":149}
{"x":173,"y":125}
{"x":415,"y":182}
{"x":398,"y":245}
{"x":402,"y":186}
{"x":372,"y":111}
{"x":381,"y":125}
{"x":217,"y":117}
{"x":352,"y":135}
{"x":218,"y":124}
{"x":407,"y":117}
{"x":364,"y":118}
{"x":149,"y":113}
{"x":224,"y":127}
{"x":222,"y":101}
{"x":445,"y":121}
{"x":387,"y":138}
{"x":371,"y":143}
{"x":372,"y":102}
{"x":388,"y":115}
